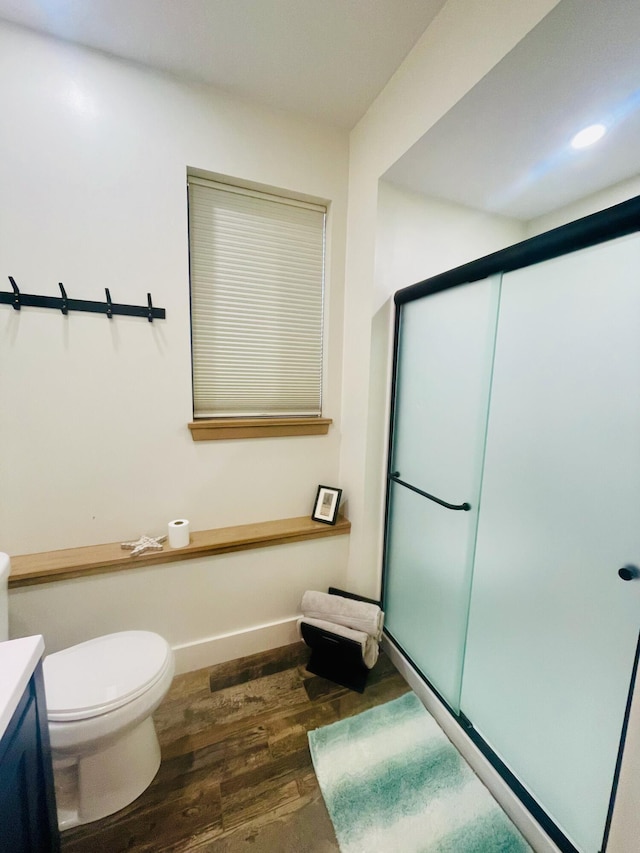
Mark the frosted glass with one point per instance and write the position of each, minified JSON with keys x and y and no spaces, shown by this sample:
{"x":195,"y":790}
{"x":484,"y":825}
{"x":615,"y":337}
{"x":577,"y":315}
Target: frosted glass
{"x":552,"y":629}
{"x":427,"y":586}
{"x":444,"y":371}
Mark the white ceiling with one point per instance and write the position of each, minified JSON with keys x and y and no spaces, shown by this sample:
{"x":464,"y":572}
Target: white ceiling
{"x":327,"y":59}
{"x":504,"y":147}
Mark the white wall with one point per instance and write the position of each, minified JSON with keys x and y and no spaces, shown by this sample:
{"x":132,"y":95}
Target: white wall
{"x":586,"y":206}
{"x":418,"y":237}
{"x":463,"y":43}
{"x":94,"y":413}
{"x":210,"y":609}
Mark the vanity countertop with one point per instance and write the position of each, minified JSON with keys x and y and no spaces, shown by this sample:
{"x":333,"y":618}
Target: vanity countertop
{"x":18,"y":659}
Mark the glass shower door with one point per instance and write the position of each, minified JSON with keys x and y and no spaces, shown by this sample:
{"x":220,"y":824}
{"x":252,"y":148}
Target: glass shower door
{"x":553,"y":628}
{"x":443,"y":374}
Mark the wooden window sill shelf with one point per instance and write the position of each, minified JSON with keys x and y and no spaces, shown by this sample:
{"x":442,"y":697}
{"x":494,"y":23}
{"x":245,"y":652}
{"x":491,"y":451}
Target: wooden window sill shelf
{"x":216,"y":429}
{"x":50,"y":566}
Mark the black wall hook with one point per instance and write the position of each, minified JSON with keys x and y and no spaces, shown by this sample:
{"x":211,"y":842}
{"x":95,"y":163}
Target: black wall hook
{"x":64,"y":307}
{"x":16,"y":294}
{"x":109,"y":304}
{"x":150,"y":306}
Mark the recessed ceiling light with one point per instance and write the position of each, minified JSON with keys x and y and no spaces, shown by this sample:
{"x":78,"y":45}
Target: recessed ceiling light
{"x":588,"y":136}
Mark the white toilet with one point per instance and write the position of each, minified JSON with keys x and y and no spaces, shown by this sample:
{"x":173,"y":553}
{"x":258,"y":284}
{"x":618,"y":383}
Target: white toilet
{"x":100,"y":696}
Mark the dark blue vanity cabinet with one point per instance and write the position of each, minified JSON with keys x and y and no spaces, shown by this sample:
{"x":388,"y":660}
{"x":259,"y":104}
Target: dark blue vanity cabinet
{"x":28,"y":821}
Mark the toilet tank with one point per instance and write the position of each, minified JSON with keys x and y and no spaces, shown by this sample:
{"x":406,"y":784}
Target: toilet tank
{"x":5,"y":565}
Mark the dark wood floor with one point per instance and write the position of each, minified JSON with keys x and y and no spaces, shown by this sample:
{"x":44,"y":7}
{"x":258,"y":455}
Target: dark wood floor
{"x":236,"y":773}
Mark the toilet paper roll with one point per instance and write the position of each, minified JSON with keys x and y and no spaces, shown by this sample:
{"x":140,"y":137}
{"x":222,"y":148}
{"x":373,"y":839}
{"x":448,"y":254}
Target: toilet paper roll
{"x":178,"y":531}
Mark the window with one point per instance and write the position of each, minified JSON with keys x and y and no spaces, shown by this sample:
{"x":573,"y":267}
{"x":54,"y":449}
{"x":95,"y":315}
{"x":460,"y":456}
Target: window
{"x":257,"y":282}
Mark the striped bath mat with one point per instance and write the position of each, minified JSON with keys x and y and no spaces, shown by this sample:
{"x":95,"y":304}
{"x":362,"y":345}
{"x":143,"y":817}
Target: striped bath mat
{"x":392,"y":781}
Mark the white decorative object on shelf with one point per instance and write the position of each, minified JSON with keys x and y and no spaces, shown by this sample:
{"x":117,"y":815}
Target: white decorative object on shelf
{"x":144,"y":543}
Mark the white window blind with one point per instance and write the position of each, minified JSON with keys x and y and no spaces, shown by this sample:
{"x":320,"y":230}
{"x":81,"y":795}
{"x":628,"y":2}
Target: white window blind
{"x":257,"y":281}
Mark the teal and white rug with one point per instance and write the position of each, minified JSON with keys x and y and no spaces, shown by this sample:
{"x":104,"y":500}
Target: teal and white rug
{"x":392,"y":781}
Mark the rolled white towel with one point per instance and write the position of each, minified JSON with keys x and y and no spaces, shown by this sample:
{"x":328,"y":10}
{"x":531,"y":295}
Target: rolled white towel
{"x":368,"y":644}
{"x":359,"y":615}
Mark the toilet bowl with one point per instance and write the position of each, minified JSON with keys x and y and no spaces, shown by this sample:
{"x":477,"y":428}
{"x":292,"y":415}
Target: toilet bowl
{"x":100,"y":696}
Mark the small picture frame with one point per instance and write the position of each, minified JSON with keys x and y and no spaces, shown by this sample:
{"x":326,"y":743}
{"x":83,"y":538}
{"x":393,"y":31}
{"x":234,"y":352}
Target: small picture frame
{"x":326,"y":505}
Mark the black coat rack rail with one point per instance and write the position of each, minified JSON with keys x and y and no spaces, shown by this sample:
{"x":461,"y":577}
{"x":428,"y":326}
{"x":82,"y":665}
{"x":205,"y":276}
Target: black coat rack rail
{"x":63,"y":303}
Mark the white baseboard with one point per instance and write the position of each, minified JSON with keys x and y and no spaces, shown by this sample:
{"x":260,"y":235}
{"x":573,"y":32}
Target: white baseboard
{"x":521,"y":817}
{"x":212,"y":650}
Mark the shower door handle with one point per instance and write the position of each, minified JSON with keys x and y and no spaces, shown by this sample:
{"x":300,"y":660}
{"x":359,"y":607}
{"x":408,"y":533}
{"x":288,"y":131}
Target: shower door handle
{"x":629,"y":573}
{"x":395,"y":476}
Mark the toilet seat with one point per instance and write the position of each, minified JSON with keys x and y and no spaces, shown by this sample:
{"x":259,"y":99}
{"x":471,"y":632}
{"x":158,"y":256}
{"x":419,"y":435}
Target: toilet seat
{"x":100,"y":675}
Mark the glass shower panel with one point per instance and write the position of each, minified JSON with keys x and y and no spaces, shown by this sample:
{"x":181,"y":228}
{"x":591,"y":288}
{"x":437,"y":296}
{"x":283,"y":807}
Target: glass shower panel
{"x":443,"y":375}
{"x":427,"y":591}
{"x":552,"y":627}
{"x":442,"y":383}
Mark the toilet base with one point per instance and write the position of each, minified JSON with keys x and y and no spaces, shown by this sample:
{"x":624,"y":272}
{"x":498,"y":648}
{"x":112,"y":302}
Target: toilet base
{"x":103,"y":782}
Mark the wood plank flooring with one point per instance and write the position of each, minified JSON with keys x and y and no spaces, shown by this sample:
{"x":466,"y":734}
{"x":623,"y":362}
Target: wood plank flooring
{"x":236,"y":773}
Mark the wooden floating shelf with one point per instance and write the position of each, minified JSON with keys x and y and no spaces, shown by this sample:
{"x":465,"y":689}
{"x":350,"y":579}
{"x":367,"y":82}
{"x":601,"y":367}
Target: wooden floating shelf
{"x":220,"y":429}
{"x":50,"y":566}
